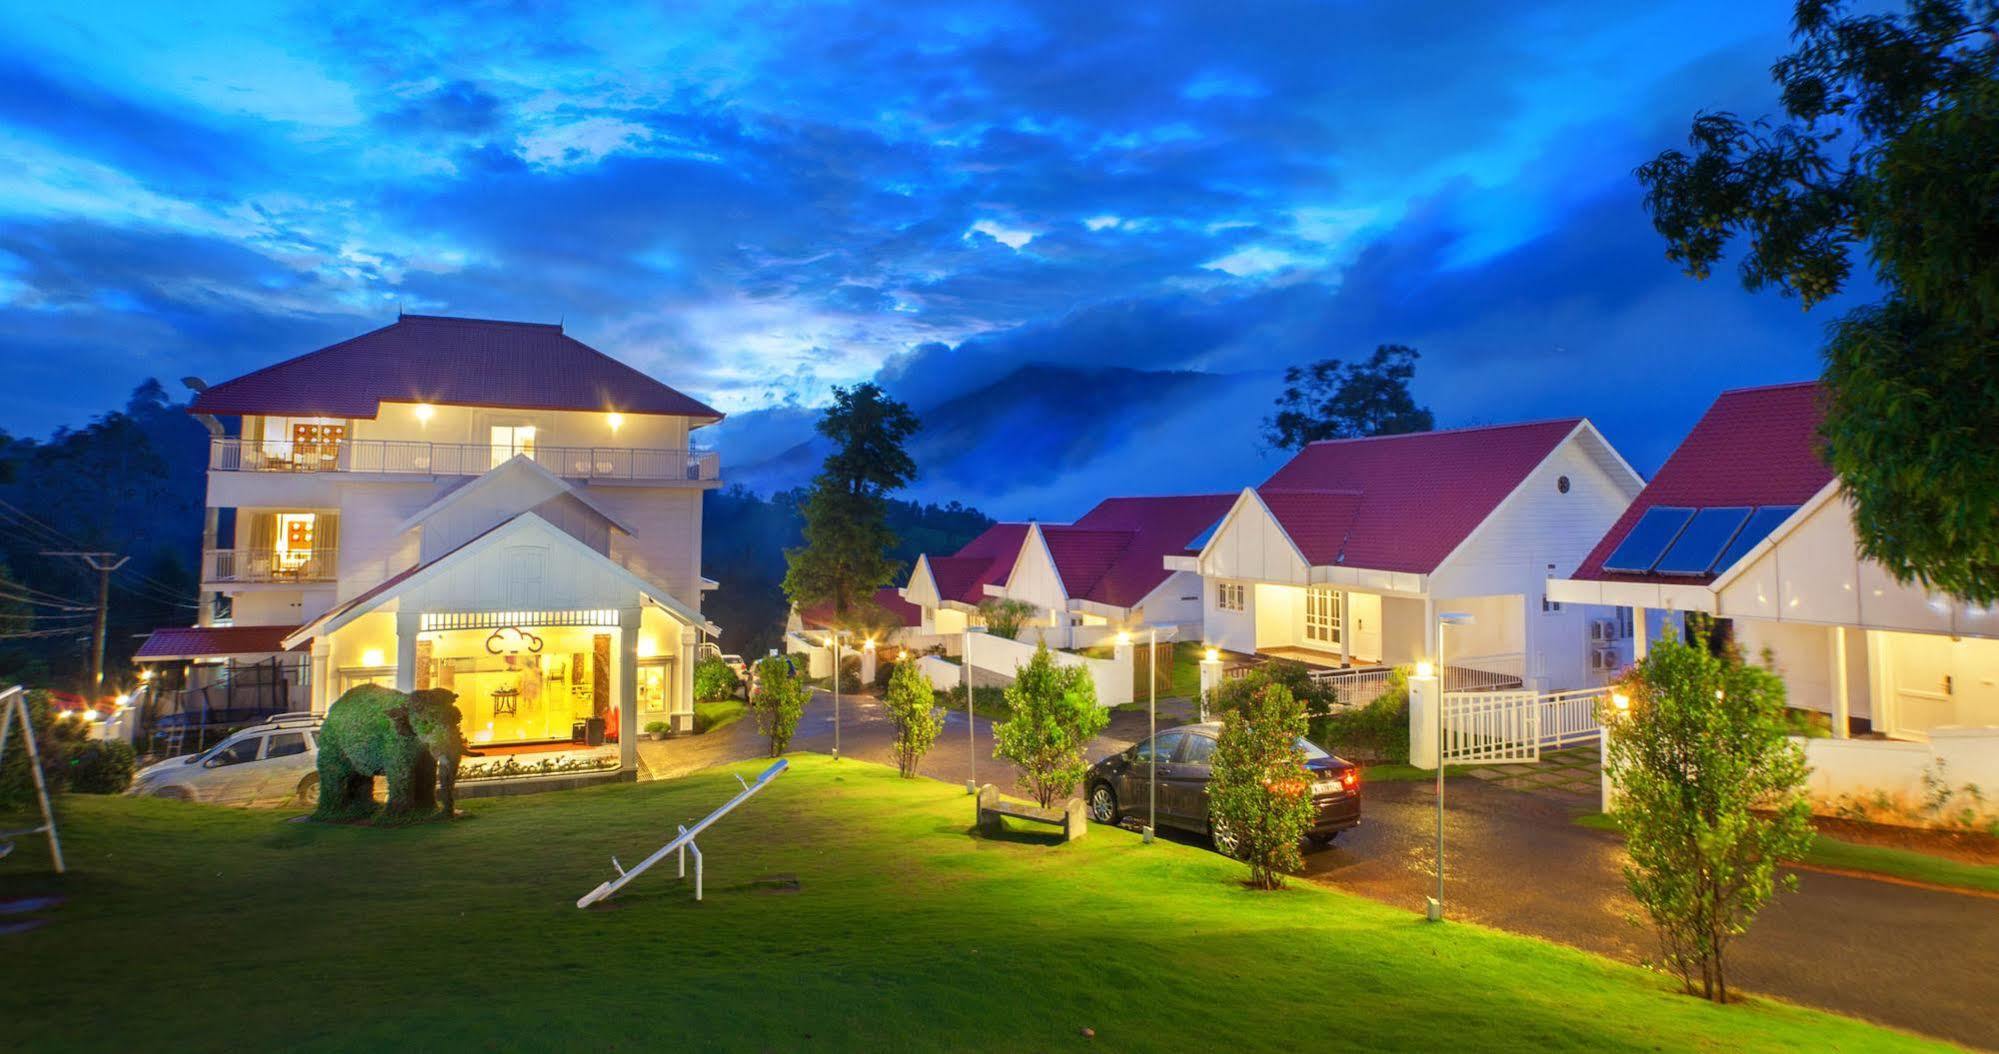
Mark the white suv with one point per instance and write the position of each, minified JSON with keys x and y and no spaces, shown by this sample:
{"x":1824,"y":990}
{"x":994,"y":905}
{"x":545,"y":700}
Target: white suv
{"x":275,"y":762}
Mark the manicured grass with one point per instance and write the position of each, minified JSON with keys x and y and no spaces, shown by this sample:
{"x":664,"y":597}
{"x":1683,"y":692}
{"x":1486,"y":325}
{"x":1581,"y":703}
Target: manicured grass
{"x":1872,"y":859}
{"x":1390,"y":773}
{"x":847,"y":909}
{"x":710,"y":716}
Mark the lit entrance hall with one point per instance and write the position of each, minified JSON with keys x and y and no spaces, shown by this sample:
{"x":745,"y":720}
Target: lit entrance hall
{"x":1333,"y":628}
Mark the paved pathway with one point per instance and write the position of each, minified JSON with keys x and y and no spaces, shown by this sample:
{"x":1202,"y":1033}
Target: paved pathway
{"x":1914,"y":958}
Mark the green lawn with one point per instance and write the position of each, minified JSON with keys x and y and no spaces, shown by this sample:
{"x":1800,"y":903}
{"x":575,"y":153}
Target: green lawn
{"x":719,"y":714}
{"x":1387,"y":772}
{"x":1873,"y":859}
{"x":847,"y":909}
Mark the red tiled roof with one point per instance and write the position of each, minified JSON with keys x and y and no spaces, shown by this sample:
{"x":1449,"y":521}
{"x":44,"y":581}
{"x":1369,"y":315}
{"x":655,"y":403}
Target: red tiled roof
{"x":1754,"y":446}
{"x":820,"y":616}
{"x":187,"y":642}
{"x":449,"y":361}
{"x":1152,"y":528}
{"x":963,"y":575}
{"x":1082,"y":556}
{"x":1404,"y":502}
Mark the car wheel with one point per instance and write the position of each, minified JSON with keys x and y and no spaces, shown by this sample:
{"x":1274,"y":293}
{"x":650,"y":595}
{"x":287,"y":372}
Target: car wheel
{"x":1103,"y":804}
{"x":1323,"y":839}
{"x":173,"y":793}
{"x":1224,"y":837}
{"x":308,"y":790}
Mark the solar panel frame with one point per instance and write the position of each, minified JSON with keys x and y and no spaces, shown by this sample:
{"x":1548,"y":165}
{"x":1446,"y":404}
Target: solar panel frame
{"x":1648,"y":539}
{"x":1702,"y":541}
{"x":1758,"y":527}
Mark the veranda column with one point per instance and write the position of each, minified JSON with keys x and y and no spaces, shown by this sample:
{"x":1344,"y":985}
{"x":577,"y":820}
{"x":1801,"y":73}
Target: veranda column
{"x":322,"y":674}
{"x":407,"y":623}
{"x":1842,"y":698}
{"x":627,"y":694}
{"x":1423,"y":702}
{"x":683,"y":696}
{"x":1639,"y":635}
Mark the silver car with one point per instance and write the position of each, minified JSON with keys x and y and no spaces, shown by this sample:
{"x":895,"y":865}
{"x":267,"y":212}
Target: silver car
{"x":272,"y":763}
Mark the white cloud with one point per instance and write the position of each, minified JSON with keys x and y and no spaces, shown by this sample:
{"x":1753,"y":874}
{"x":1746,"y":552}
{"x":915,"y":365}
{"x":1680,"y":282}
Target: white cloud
{"x":1011,"y":237}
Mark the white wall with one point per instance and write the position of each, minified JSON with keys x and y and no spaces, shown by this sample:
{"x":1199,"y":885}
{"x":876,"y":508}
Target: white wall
{"x":1403,"y":637}
{"x":1112,"y":677}
{"x":1251,"y":545}
{"x":1228,"y":630}
{"x":553,"y":428}
{"x":1034,"y":578}
{"x":1175,"y":602}
{"x":279,"y":607}
{"x":1279,"y":614}
{"x":1864,"y":767}
{"x":371,"y":548}
{"x":1537,"y":526}
{"x":665,"y":543}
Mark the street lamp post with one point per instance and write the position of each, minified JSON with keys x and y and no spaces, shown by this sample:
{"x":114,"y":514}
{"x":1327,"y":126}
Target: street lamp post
{"x":836,"y":695}
{"x":971,"y":732}
{"x":1443,"y":684}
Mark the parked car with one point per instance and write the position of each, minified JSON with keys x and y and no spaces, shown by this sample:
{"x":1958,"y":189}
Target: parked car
{"x":1116,"y":785}
{"x":736,"y":663}
{"x":273,"y":762}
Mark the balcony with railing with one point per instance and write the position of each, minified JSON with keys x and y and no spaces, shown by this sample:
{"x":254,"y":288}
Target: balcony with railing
{"x":421,"y":458}
{"x":267,"y":565}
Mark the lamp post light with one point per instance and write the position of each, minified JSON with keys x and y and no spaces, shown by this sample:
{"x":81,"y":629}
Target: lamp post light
{"x":1444,"y":621}
{"x":971,"y":729}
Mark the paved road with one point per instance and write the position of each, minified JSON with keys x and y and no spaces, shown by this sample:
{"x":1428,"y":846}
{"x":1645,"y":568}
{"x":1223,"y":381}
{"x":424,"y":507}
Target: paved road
{"x":1914,"y":958}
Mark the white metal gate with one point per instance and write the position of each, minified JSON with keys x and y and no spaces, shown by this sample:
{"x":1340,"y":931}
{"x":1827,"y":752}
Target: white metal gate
{"x":1485,"y":728}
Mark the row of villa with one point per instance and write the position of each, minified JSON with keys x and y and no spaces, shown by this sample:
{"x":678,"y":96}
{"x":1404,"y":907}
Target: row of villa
{"x":497,"y":508}
{"x":1567,"y":561}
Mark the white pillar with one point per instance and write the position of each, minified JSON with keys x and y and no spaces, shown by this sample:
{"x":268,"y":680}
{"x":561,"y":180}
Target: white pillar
{"x":407,"y":623}
{"x":1640,"y":636}
{"x":1211,"y":679}
{"x":682,"y":709}
{"x":1430,"y":639}
{"x":1603,"y":769}
{"x":1424,"y":698}
{"x":1842,"y":699}
{"x":322,"y":674}
{"x":1346,"y":628}
{"x":867,"y":668}
{"x":626,"y":699}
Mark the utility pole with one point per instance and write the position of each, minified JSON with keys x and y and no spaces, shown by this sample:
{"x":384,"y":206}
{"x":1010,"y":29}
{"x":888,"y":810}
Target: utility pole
{"x":103,"y":564}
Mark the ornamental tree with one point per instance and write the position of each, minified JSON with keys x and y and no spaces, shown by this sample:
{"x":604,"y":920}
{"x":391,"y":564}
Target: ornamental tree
{"x":1004,"y":616}
{"x":912,"y":707}
{"x":1053,"y":716}
{"x":1330,"y":399}
{"x":1889,"y":143}
{"x":1260,"y":793}
{"x":778,"y":702}
{"x":713,"y":680}
{"x":1710,"y":793}
{"x":845,"y":557}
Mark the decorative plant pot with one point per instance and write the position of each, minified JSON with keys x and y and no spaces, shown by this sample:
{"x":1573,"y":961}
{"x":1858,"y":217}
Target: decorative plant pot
{"x":657,"y":736}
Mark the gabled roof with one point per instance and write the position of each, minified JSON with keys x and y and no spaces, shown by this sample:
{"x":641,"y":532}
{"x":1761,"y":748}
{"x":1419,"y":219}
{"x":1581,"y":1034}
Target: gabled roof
{"x":1115,"y":554}
{"x":516,"y":467}
{"x":402,"y":581}
{"x":964,"y":575}
{"x":820,"y":616}
{"x":1753,"y":447}
{"x":450,"y":361}
{"x":211,"y":642}
{"x":1404,"y":502}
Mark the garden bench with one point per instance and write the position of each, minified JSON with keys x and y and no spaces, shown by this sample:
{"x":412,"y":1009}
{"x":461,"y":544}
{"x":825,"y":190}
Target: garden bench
{"x":1072,"y":817}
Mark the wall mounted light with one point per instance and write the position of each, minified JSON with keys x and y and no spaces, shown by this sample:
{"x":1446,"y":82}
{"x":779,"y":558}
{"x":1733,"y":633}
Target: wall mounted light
{"x":423,"y":412}
{"x":1426,"y":669}
{"x":1214,"y":655}
{"x":615,"y":420}
{"x":373,"y":657}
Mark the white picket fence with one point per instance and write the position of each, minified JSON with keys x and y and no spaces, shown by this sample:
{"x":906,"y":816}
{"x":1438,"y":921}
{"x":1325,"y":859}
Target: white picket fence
{"x":1486,"y":728}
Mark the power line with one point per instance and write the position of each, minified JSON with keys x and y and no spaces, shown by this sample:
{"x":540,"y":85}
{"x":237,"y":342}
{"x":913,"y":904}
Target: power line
{"x":65,"y":539}
{"x":157,"y":597}
{"x":103,"y":564}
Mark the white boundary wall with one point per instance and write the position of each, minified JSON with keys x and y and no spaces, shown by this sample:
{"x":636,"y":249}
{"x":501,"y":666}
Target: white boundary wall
{"x":1112,"y":677}
{"x":1896,"y":767}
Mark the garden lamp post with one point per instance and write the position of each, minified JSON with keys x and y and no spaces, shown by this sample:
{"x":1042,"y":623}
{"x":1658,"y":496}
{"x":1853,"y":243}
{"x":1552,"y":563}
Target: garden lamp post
{"x":1444,"y":621}
{"x":971,"y":731}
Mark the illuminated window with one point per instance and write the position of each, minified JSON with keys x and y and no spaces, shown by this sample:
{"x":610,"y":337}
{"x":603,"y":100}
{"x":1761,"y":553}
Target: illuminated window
{"x":1322,"y":615}
{"x":296,"y":537}
{"x":1232,"y":596}
{"x":509,"y":440}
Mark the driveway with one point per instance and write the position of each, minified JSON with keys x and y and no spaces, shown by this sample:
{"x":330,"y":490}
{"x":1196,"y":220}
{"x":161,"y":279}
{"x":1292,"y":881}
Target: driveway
{"x":1914,"y":958}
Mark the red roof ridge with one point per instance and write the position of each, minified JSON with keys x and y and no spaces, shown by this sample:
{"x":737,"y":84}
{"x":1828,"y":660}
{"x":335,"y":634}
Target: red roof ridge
{"x":1813,"y":383}
{"x":1454,"y":431}
{"x":467,"y":319}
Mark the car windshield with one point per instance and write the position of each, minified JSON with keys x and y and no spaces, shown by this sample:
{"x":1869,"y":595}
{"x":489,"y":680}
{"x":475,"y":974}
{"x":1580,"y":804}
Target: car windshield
{"x":1312,"y":751}
{"x":231,"y":751}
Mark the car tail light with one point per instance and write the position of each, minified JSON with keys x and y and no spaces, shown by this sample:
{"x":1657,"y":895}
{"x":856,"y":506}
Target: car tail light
{"x":1351,"y":778}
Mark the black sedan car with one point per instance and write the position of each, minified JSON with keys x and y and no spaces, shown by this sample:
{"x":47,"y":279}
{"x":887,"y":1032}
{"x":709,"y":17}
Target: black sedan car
{"x":1116,"y":786}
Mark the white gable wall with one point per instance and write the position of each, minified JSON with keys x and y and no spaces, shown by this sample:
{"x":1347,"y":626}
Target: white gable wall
{"x":1251,"y":545}
{"x":665,"y":543}
{"x":1034,"y":578}
{"x":371,"y":548}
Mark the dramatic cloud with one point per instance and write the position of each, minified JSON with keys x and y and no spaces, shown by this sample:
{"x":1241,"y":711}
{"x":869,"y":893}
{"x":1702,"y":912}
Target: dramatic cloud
{"x":755,"y":204}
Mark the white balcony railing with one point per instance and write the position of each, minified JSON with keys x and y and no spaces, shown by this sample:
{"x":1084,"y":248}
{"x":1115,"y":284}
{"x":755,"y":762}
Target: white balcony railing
{"x":420,"y":458}
{"x":267,"y":565}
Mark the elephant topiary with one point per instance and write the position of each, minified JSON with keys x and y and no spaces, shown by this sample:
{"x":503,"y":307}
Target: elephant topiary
{"x":412,"y":739}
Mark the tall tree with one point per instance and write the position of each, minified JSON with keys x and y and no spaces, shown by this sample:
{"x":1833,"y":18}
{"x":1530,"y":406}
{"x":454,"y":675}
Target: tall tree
{"x":1331,"y":399}
{"x":846,"y":555}
{"x":1889,"y":143}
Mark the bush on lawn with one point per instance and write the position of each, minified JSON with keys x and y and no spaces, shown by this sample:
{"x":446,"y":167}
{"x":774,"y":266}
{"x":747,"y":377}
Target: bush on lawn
{"x":1260,"y":794}
{"x":714,"y":681}
{"x":987,"y":700}
{"x":1004,"y":616}
{"x":1296,"y":678}
{"x":912,"y":707}
{"x":1710,"y":792}
{"x":100,"y":766}
{"x":778,"y":702}
{"x":1053,"y":716}
{"x":850,"y":673}
{"x":1377,"y":733}
{"x":885,"y":668}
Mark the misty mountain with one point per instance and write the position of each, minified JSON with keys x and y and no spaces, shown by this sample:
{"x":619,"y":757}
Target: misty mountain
{"x":1049,"y":441}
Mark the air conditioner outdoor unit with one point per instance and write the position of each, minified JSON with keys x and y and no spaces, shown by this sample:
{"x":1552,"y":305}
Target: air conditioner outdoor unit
{"x":1603,"y":629}
{"x":1603,"y":659}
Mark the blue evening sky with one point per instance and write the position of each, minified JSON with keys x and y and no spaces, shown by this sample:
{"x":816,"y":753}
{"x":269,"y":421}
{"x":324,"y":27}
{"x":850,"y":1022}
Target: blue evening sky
{"x":755,"y":202}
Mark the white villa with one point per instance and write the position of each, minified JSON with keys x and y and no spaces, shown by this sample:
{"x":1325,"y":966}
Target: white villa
{"x":1747,"y":523}
{"x":490,"y":507}
{"x":1347,"y":555}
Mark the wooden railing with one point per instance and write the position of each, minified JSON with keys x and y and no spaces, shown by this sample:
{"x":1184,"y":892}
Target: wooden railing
{"x":267,"y":565}
{"x":421,"y":458}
